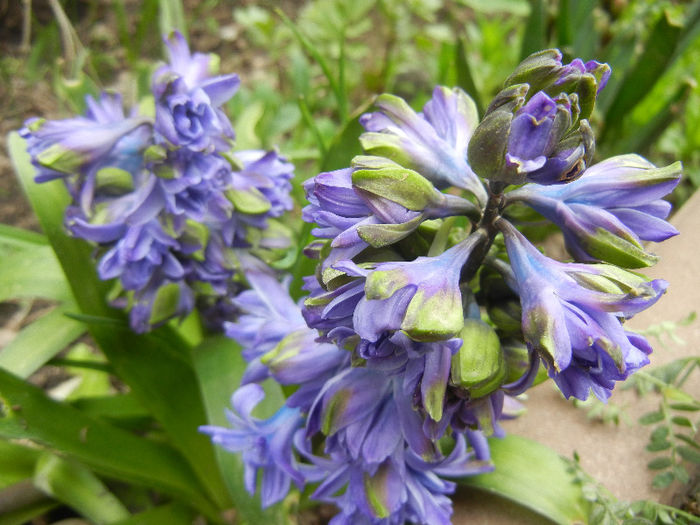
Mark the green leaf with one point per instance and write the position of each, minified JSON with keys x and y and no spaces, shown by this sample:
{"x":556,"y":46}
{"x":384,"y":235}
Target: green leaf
{"x":533,"y":476}
{"x":663,"y":480}
{"x":17,"y":237}
{"x":122,"y":410}
{"x":654,"y":60}
{"x":16,"y":463}
{"x":682,"y":421}
{"x":535,"y":37}
{"x":685,"y":407}
{"x":345,"y":145}
{"x":92,"y":382}
{"x":172,"y":514}
{"x":659,"y":463}
{"x":77,"y":487}
{"x":681,"y":474}
{"x":660,"y":433}
{"x":28,"y":414}
{"x":32,"y":272}
{"x":657,"y":446}
{"x":651,"y":418}
{"x":220,"y":366}
{"x":687,"y":439}
{"x":689,"y":454}
{"x":156,"y":366}
{"x":36,"y":344}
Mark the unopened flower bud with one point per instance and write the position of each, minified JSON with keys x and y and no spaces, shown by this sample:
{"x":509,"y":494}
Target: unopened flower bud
{"x":479,"y":365}
{"x":535,"y":129}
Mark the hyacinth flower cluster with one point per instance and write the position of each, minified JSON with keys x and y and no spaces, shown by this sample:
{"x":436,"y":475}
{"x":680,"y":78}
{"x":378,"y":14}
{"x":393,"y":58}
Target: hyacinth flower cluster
{"x":430,"y":310}
{"x":164,"y":197}
{"x":375,"y":462}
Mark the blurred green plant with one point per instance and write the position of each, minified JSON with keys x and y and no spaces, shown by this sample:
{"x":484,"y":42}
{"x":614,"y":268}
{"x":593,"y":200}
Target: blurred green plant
{"x":309,"y":75}
{"x":608,"y":510}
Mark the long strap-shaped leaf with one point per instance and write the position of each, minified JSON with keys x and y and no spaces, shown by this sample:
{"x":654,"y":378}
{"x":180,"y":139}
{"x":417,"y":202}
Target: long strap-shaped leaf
{"x":659,"y":49}
{"x":220,"y":367}
{"x":40,"y":341}
{"x":79,"y":488}
{"x":32,"y":272}
{"x":533,"y":476}
{"x":28,"y":414}
{"x":157,"y":367}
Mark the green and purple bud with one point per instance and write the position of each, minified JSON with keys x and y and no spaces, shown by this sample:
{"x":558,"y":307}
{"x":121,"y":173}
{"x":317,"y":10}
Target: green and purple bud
{"x":401,"y":199}
{"x":536,"y":128}
{"x":421,"y":297}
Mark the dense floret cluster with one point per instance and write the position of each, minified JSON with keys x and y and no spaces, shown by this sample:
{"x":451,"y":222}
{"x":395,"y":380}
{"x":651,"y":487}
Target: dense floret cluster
{"x":164,"y":197}
{"x":430,"y":311}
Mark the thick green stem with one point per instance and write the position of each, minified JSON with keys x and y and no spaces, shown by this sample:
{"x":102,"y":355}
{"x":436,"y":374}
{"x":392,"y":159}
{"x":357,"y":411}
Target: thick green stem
{"x":492,"y":213}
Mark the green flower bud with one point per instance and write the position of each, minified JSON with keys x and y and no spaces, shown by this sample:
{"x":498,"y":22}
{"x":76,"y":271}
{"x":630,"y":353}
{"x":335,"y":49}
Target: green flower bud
{"x":479,"y":365}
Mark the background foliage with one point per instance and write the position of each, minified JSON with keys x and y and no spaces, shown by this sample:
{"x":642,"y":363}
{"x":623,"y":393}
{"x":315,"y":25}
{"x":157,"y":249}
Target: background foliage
{"x":100,"y":423}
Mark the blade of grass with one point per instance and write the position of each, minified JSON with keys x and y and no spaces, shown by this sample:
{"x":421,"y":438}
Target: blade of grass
{"x":303,"y":266}
{"x":650,"y":132}
{"x":125,"y":38}
{"x":312,"y":51}
{"x":535,"y":37}
{"x":343,"y":100}
{"x":691,"y":29}
{"x":171,"y":17}
{"x":465,"y":79}
{"x":654,"y":60}
{"x":311,"y":123}
{"x":575,"y":29}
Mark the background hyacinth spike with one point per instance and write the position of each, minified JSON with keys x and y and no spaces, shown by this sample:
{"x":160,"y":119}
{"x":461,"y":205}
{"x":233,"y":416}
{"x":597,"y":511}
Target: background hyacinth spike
{"x":166,"y":201}
{"x":189,"y":98}
{"x":76,"y":146}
